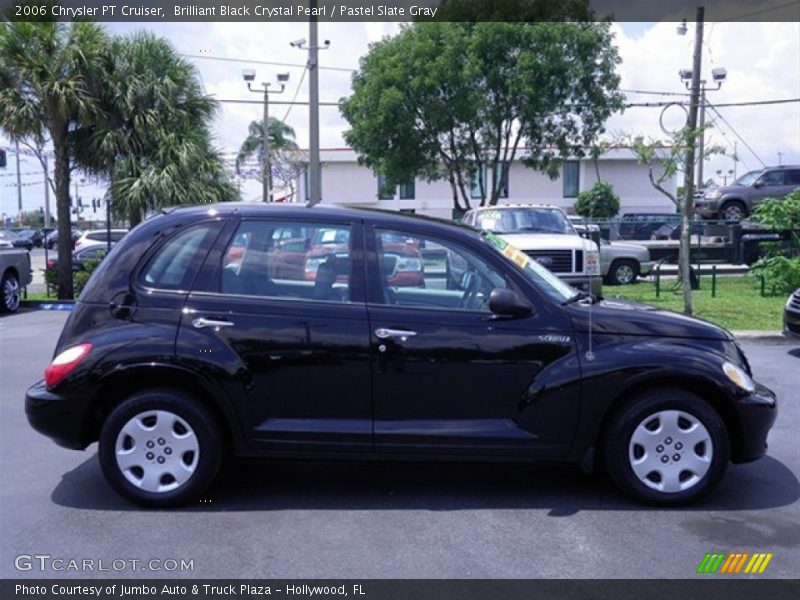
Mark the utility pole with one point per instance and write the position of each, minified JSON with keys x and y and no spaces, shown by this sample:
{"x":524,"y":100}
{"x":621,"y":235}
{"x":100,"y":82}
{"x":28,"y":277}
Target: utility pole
{"x":688,"y":182}
{"x":702,"y":145}
{"x":315,"y":192}
{"x":780,"y":158}
{"x":19,"y":187}
{"x":46,"y":191}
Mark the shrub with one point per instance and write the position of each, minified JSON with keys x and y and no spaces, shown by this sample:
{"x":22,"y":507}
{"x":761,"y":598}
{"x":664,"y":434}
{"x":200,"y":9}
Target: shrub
{"x":781,"y":265}
{"x":79,"y":278}
{"x":598,"y":202}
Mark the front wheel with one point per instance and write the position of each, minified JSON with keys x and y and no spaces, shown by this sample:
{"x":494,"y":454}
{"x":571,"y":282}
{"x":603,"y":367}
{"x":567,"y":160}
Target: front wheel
{"x":160,"y":448}
{"x":623,"y":272}
{"x":733,"y":210}
{"x":11,"y":293}
{"x":667,"y":447}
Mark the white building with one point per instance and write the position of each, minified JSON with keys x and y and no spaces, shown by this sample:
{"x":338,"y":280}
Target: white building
{"x":346,"y":182}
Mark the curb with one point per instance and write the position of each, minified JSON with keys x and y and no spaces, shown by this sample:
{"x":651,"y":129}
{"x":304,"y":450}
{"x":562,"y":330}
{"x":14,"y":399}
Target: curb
{"x":763,"y":336}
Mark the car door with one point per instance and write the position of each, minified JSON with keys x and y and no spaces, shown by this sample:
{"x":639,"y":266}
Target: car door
{"x":769,"y":185}
{"x":293,"y":350}
{"x":448,"y":377}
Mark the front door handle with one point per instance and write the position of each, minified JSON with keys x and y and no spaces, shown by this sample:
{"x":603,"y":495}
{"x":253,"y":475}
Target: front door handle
{"x":202,"y":322}
{"x":383,"y":333}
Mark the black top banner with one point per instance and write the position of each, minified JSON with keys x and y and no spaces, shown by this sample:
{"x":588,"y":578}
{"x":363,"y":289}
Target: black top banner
{"x":398,"y":10}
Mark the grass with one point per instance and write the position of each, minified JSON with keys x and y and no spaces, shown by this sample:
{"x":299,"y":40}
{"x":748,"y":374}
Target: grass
{"x":737,"y":306}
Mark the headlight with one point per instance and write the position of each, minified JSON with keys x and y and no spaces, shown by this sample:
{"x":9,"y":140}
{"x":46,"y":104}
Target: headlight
{"x":405,"y":264}
{"x":739,"y":376}
{"x":592,"y":263}
{"x":712,"y":194}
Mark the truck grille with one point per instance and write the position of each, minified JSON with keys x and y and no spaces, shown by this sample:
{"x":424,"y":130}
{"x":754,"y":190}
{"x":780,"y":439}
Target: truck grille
{"x":557,"y":261}
{"x":795,"y":301}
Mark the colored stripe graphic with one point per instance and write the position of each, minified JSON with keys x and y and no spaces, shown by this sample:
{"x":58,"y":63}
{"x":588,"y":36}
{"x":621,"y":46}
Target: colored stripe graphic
{"x":717,"y":562}
{"x":758,"y":563}
{"x":711,"y":562}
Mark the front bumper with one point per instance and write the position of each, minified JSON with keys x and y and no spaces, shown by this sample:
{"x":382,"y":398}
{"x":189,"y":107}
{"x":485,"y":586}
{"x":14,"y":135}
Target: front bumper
{"x":706,"y":208}
{"x":67,"y":421}
{"x":791,"y":322}
{"x":756,"y":415}
{"x":592,"y":284}
{"x":645,"y":267}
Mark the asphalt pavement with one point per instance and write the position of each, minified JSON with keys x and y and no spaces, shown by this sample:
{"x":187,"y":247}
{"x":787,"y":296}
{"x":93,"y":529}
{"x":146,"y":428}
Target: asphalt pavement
{"x":379,"y":520}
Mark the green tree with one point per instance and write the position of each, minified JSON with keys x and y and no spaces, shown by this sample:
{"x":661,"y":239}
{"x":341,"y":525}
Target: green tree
{"x":781,"y":265}
{"x":598,"y":202}
{"x":456,"y":101}
{"x":152,"y":137}
{"x":282,"y":149}
{"x":47,"y":72}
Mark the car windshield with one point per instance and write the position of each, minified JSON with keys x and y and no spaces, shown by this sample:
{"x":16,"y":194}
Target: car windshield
{"x":748,"y":178}
{"x":536,"y":273}
{"x":5,"y":234}
{"x":524,"y":220}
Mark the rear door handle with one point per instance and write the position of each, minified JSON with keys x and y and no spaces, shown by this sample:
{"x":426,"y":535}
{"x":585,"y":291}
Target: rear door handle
{"x":383,"y":333}
{"x":202,"y":322}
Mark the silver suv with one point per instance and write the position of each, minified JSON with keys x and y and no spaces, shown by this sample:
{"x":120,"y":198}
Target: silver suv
{"x":738,"y":200}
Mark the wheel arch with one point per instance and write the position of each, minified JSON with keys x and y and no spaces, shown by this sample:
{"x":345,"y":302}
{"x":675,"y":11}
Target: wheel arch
{"x":703,"y":388}
{"x":121,"y":384}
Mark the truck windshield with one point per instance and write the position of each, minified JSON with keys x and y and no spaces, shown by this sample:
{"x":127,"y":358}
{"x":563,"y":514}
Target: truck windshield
{"x":748,"y":178}
{"x":543,"y":279}
{"x":524,"y":220}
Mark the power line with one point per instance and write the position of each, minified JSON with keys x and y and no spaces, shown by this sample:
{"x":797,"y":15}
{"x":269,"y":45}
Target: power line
{"x":654,"y":93}
{"x":749,"y":103}
{"x":736,"y":133}
{"x":758,"y":12}
{"x":264,"y":62}
{"x":297,"y":91}
{"x":273,"y":102}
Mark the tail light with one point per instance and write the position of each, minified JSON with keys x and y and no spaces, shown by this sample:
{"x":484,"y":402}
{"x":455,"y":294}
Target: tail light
{"x":65,"y":363}
{"x":51,"y":264}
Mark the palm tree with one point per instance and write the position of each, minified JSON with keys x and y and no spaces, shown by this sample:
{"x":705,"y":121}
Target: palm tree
{"x":281,"y":139}
{"x":152,"y":139}
{"x":47,"y":72}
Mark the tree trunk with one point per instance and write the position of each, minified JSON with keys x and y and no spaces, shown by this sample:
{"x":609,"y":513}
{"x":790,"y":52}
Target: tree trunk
{"x":61,"y":174}
{"x":134,"y":216}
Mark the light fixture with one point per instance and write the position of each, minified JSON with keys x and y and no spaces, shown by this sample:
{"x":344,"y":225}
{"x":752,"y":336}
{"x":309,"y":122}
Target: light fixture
{"x":719,"y":74}
{"x":283,"y":77}
{"x":297,"y":43}
{"x":249,"y":74}
{"x":685,"y":74}
{"x":682,"y":29}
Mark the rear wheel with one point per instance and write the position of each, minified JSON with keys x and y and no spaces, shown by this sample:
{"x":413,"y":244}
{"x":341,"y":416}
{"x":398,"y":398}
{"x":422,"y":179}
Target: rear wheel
{"x":666,"y":447}
{"x":11,"y":293}
{"x":160,"y":448}
{"x":623,"y":271}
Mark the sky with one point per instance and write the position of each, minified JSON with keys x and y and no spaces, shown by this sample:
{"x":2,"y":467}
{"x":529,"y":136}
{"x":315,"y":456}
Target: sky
{"x":762,"y":62}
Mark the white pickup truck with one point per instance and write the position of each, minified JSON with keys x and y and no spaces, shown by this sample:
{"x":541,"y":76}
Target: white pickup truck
{"x":545,"y":234}
{"x":15,"y":274}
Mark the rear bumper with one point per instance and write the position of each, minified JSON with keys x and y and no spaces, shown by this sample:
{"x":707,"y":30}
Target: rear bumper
{"x":64,"y":420}
{"x":757,"y":413}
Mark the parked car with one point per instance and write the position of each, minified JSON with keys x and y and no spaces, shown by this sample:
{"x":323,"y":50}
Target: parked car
{"x":791,"y":315}
{"x":738,"y":200}
{"x":80,"y":257}
{"x":34,"y":235}
{"x":621,"y":263}
{"x":15,"y":274}
{"x":545,"y":234}
{"x":95,"y":236}
{"x":52,"y":238}
{"x":16,"y":240}
{"x":170,"y":361}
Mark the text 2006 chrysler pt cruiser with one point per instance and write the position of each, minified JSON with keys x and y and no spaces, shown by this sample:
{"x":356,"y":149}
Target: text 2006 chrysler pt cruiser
{"x":265,"y":330}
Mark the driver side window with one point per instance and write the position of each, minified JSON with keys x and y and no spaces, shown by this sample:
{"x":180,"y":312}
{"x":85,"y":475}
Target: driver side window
{"x":427,"y":272}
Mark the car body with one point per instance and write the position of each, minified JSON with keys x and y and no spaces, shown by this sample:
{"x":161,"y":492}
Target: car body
{"x":99,"y":236}
{"x":791,"y":315}
{"x":171,"y":361}
{"x":16,"y":240}
{"x":52,"y":238}
{"x":738,"y":200}
{"x":545,"y":234}
{"x":80,"y":257}
{"x":15,"y":274}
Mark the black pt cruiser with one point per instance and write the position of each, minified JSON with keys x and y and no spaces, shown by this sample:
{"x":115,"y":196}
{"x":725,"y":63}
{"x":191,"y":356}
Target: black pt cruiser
{"x":287,"y":331}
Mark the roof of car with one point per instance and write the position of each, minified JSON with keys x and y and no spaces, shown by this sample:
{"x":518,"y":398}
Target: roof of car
{"x":253,"y":209}
{"x":503,"y":206}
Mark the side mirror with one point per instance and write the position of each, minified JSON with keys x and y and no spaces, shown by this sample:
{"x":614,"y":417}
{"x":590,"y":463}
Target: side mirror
{"x":507,"y":303}
{"x":757,"y":184}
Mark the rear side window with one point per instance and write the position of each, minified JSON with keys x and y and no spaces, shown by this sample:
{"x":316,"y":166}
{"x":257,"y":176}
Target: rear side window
{"x":176,"y":262}
{"x":96,"y":236}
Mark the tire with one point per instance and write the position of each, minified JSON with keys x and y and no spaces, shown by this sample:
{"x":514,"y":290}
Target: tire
{"x":733,"y":210}
{"x":160,"y":448}
{"x":623,"y":271}
{"x":10,"y":290}
{"x":644,"y":465}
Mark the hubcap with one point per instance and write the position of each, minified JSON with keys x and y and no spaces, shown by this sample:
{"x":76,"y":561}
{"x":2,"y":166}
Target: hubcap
{"x":670,"y":451}
{"x":11,"y":293}
{"x":625,"y":274}
{"x":733,"y":212}
{"x":157,"y":451}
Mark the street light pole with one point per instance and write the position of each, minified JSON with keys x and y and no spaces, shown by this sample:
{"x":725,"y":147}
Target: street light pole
{"x":266,"y":164}
{"x":19,"y":186}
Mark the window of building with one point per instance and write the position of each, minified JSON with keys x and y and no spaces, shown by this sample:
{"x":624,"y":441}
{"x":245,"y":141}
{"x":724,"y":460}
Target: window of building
{"x":571,"y":178}
{"x":478,"y":177}
{"x":385,"y":190}
{"x":307,"y":184}
{"x":501,"y":173}
{"x":408,"y":190}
